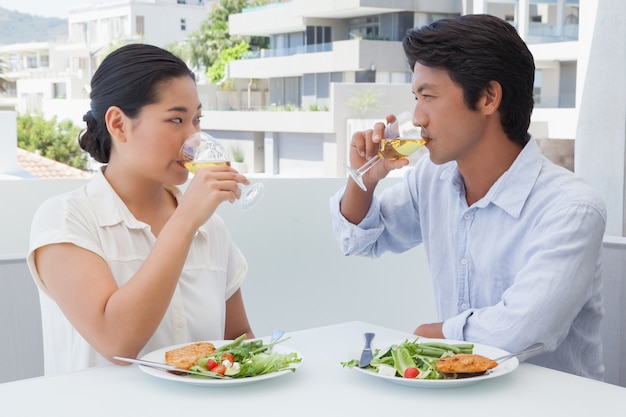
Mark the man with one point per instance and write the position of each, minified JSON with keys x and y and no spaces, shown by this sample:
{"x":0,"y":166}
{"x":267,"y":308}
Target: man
{"x":513,"y":241}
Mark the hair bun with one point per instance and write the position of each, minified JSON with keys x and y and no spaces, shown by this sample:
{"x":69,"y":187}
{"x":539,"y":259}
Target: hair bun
{"x":91,"y":121}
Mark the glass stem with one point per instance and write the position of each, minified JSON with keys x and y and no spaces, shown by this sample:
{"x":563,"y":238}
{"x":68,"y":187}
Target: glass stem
{"x":368,"y":165}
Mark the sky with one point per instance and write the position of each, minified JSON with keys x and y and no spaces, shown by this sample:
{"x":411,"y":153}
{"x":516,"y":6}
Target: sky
{"x":46,"y":8}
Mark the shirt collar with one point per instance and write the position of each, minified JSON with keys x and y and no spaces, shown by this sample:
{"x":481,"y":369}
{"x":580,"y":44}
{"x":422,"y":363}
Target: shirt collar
{"x":512,"y":189}
{"x":109,"y":207}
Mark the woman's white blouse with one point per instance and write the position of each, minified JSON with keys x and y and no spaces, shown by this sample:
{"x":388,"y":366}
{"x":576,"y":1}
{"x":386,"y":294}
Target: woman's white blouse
{"x":93,"y":217}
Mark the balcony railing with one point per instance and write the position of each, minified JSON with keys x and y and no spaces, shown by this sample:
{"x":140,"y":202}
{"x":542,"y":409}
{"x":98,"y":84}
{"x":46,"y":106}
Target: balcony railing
{"x":302,"y":49}
{"x":545,"y":33}
{"x":561,"y":101}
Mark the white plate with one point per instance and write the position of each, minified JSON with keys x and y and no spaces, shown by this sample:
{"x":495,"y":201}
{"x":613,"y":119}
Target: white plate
{"x":159,"y":356}
{"x":488,"y":351}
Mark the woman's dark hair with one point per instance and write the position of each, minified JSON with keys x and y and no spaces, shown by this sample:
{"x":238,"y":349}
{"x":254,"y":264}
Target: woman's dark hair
{"x":475,"y":50}
{"x":128,"y":78}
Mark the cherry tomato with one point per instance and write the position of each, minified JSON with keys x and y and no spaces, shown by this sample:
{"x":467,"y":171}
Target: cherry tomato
{"x":210,"y":364}
{"x":219,"y":369}
{"x":228,"y":356}
{"x":411,"y":372}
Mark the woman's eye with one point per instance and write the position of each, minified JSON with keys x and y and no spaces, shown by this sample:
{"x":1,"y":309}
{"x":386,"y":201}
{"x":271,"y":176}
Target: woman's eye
{"x":178,"y":120}
{"x":197,"y":119}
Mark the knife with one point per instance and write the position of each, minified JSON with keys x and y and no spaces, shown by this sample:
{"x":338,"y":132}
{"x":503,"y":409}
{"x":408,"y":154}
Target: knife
{"x":366,"y":355}
{"x":170,"y":368}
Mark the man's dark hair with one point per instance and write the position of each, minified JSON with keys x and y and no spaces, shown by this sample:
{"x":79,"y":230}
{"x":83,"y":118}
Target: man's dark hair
{"x":475,"y":50}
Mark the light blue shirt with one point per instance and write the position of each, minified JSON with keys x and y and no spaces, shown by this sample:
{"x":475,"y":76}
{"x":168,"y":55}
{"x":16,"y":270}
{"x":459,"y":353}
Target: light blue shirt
{"x":519,"y":266}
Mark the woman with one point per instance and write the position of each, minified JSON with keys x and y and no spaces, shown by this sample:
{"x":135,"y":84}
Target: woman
{"x":127,"y":263}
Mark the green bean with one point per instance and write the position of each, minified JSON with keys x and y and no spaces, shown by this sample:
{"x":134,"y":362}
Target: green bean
{"x":466,"y":348}
{"x":431,"y":351}
{"x":443,"y":346}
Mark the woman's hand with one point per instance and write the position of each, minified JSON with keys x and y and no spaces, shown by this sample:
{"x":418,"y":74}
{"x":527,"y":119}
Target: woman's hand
{"x":209,"y":188}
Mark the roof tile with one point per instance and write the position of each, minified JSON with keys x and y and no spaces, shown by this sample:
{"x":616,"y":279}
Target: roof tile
{"x":42,"y":167}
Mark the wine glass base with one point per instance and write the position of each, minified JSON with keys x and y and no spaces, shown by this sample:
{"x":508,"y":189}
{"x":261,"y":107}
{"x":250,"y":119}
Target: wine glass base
{"x":250,"y":196}
{"x":356,"y":176}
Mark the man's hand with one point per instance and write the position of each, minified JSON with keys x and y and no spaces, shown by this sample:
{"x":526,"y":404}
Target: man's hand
{"x":430,"y":330}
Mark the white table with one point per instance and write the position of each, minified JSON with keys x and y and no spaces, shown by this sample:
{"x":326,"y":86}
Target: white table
{"x":320,"y":386}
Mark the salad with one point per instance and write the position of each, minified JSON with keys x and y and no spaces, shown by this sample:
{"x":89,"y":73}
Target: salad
{"x":243,"y":358}
{"x":411,"y":359}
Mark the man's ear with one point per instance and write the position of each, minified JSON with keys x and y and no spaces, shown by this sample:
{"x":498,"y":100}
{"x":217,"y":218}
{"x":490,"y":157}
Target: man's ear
{"x":491,"y":99}
{"x":117,"y":123}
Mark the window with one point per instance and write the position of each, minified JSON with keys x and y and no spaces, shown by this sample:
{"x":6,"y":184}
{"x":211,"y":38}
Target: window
{"x":59,"y":90}
{"x":31,"y":61}
{"x":366,"y":27}
{"x":183,"y":24}
{"x":368,"y":76}
{"x":318,"y":36}
{"x":139,"y":23}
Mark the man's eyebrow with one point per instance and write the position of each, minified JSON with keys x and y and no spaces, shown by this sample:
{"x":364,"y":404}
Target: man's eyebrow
{"x":421,"y":88}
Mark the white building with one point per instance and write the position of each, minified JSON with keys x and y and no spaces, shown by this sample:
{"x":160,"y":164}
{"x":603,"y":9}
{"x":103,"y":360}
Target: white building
{"x":340,"y":64}
{"x":50,"y":76}
{"x":340,"y":55}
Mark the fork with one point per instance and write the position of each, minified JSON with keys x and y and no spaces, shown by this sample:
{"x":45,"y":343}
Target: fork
{"x":169,"y":368}
{"x":276,"y":335}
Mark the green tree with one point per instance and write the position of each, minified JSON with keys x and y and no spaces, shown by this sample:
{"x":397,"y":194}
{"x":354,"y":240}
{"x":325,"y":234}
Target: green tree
{"x":202,"y":47}
{"x":215,"y":72}
{"x":53,"y":139}
{"x":364,"y":101}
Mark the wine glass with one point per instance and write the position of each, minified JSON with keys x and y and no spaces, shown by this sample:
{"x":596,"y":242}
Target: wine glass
{"x":202,"y":150}
{"x":402,"y":138}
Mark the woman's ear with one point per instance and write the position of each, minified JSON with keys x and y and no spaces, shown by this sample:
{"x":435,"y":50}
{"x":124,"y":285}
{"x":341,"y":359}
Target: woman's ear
{"x":117,"y":123}
{"x":492,"y":97}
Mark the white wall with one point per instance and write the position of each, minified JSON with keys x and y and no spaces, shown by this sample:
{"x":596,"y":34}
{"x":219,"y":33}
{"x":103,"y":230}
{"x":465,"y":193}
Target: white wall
{"x":298,"y":276}
{"x":288,"y":243}
{"x":20,"y":199}
{"x":600,"y":144}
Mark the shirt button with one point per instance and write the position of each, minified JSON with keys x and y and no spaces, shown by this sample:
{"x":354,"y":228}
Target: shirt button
{"x":180,"y":324}
{"x":467,"y":216}
{"x":463,"y":306}
{"x":463,"y":261}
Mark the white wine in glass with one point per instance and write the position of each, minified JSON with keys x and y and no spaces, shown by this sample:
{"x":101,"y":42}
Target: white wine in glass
{"x":193,"y":166}
{"x":402,"y":138}
{"x":202,"y":150}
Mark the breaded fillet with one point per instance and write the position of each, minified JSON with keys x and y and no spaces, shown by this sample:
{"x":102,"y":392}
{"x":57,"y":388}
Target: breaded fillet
{"x":465,"y":363}
{"x":187,"y":356}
